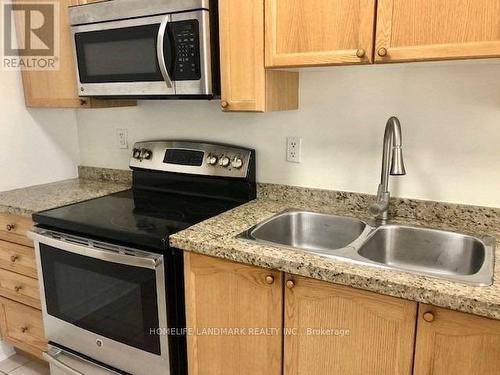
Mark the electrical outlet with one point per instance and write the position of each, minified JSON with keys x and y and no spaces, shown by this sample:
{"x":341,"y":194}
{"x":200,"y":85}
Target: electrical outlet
{"x":293,"y":145}
{"x":122,"y":138}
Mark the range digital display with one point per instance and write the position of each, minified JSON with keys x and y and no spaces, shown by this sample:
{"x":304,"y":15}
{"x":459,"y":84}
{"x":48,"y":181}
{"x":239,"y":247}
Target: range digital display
{"x":184,"y":157}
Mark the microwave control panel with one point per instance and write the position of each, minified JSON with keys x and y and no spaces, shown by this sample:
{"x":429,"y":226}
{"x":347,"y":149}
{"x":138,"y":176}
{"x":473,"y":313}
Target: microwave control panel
{"x":186,"y":39}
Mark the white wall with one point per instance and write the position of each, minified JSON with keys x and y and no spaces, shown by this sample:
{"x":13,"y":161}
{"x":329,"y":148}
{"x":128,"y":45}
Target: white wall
{"x":38,"y":145}
{"x":450,"y":114}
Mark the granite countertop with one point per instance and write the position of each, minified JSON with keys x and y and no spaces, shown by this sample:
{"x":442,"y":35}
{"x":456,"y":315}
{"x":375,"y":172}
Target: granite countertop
{"x":216,"y":237}
{"x":25,"y":201}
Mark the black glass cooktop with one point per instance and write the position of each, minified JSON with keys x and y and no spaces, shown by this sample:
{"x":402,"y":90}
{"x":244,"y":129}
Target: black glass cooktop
{"x":134,"y":217}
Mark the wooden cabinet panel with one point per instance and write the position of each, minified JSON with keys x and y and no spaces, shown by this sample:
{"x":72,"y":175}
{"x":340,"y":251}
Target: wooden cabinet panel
{"x":380,"y":338}
{"x":13,"y":228}
{"x":225,"y":295}
{"x":412,"y":30}
{"x":451,"y":342}
{"x":245,"y":84}
{"x":22,"y":326}
{"x":319,"y":32}
{"x":20,"y":288}
{"x":18,"y":258}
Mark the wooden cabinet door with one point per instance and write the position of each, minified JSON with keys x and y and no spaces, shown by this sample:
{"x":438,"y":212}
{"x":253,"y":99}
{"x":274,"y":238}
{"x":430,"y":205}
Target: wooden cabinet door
{"x":223,"y":297}
{"x":319,"y":32}
{"x":451,"y":342}
{"x":333,"y":329}
{"x":413,"y":30}
{"x":245,"y":85}
{"x":22,"y":326}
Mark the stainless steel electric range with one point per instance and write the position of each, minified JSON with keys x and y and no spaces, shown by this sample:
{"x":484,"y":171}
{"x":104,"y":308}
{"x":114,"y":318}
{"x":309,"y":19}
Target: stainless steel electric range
{"x":111,"y":285}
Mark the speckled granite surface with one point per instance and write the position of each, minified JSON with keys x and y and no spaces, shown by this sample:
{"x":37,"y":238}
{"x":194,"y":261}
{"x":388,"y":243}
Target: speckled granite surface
{"x":118,"y":176}
{"x":216,"y":237}
{"x":31,"y":199}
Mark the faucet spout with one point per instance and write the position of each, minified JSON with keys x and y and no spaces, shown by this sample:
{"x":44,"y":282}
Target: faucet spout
{"x":392,"y":164}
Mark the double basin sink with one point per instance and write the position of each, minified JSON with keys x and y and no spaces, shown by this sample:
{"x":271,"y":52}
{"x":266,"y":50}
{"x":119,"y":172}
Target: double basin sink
{"x":430,"y":252}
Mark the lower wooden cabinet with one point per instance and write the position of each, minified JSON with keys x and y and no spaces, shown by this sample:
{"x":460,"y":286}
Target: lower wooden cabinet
{"x":335,"y":329}
{"x":22,"y":326}
{"x":223,"y":297}
{"x":21,"y":323}
{"x":450,"y":342}
{"x":324,"y":328}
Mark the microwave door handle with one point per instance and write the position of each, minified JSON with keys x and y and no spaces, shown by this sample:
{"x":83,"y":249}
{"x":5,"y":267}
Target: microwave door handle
{"x":63,"y":366}
{"x":160,"y":50}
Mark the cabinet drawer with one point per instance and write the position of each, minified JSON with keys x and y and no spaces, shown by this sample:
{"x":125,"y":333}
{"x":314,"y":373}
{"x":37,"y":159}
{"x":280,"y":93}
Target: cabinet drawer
{"x":18,"y":258}
{"x":13,"y":228}
{"x":22,"y":326}
{"x":19,"y":288}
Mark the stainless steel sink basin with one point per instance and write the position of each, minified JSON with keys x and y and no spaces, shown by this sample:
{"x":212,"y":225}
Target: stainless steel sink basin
{"x":424,"y":251}
{"x":431,"y":252}
{"x":309,"y":230}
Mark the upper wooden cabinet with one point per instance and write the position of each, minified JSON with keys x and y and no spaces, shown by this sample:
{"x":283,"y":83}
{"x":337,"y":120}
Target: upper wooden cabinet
{"x":413,"y":30}
{"x":58,"y":88}
{"x":224,"y":295}
{"x":450,"y":342}
{"x":245,"y":84}
{"x":319,"y":32}
{"x":335,"y":329}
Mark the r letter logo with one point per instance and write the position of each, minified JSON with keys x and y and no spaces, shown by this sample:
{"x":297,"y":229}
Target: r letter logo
{"x":30,"y":35}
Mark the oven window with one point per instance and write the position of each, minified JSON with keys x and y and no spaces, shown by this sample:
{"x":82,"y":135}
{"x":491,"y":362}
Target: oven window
{"x":118,"y":55}
{"x":113,"y":300}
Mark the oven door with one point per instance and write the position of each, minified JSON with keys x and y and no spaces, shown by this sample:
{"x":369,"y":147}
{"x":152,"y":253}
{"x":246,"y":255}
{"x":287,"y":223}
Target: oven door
{"x":103,"y":301}
{"x":163,"y":55}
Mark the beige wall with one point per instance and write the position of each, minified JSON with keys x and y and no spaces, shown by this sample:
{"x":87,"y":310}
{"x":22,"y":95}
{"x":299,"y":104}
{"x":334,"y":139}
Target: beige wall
{"x":450,"y":113}
{"x":38,"y":145}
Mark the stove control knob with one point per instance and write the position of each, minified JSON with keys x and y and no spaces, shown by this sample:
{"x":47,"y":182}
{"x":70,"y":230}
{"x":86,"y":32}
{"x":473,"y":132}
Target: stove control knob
{"x":147,"y":154}
{"x":212,"y":160}
{"x":224,"y":162}
{"x":237,"y":163}
{"x":136,"y":154}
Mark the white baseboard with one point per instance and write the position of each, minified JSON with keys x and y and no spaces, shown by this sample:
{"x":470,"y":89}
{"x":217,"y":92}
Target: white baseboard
{"x":5,"y":350}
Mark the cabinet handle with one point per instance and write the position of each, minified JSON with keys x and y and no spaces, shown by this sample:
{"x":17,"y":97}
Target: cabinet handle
{"x":269,"y":279}
{"x":83,"y":102}
{"x":24,"y":329}
{"x":18,"y":288}
{"x":224,"y":104}
{"x":429,"y":317}
{"x":290,"y":284}
{"x":382,"y":52}
{"x":13,"y":258}
{"x":360,"y":53}
{"x":10,"y":227}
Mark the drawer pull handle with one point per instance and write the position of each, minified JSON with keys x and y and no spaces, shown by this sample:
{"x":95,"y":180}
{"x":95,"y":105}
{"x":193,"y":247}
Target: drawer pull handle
{"x":382,"y":52}
{"x":269,"y":279}
{"x":290,"y":284}
{"x":18,"y":288}
{"x":13,"y":258}
{"x":224,"y":104}
{"x":10,"y":227}
{"x":360,"y":53}
{"x":429,"y":317}
{"x":24,"y":329}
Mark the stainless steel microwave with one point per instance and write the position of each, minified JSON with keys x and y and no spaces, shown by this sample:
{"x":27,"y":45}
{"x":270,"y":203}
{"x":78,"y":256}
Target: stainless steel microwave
{"x":147,"y":49}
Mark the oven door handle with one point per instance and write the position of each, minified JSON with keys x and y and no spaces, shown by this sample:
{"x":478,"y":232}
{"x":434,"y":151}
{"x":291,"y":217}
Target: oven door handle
{"x":97,"y":250}
{"x":160,"y":50}
{"x":63,"y":366}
